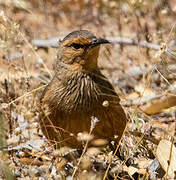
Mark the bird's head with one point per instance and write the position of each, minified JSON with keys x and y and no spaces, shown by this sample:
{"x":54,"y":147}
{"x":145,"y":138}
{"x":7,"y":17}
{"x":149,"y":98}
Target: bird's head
{"x":80,"y":49}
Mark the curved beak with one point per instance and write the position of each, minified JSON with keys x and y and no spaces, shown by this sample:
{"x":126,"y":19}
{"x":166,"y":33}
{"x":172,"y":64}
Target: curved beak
{"x":98,"y":41}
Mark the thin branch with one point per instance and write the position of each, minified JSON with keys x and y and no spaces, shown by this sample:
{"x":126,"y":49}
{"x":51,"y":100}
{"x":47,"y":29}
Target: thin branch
{"x":133,"y":42}
{"x":54,"y":42}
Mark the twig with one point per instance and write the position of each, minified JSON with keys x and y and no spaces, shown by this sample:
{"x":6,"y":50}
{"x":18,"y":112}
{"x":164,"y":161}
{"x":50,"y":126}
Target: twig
{"x":133,"y":42}
{"x":11,"y":57}
{"x":26,"y":94}
{"x":54,"y":42}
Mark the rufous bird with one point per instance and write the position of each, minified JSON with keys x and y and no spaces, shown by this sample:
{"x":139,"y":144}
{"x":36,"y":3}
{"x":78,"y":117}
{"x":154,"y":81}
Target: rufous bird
{"x":79,"y":93}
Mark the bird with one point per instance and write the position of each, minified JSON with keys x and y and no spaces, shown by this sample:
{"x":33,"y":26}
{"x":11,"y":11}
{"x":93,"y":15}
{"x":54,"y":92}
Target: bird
{"x":79,"y":94}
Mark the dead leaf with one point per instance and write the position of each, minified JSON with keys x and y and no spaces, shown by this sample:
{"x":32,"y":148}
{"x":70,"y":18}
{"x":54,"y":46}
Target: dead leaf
{"x":158,"y":105}
{"x":163,"y":154}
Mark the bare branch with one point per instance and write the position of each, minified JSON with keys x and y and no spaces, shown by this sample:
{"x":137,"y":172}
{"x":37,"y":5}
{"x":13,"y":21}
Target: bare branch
{"x":133,"y":42}
{"x":54,"y":42}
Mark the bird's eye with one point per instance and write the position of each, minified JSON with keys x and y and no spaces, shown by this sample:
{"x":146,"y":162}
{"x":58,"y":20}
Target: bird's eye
{"x":77,"y":46}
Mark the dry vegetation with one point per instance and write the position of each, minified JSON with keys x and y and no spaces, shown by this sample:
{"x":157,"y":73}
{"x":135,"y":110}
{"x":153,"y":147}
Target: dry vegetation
{"x":143,"y":77}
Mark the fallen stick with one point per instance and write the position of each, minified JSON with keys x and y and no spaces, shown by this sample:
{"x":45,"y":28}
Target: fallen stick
{"x":54,"y":42}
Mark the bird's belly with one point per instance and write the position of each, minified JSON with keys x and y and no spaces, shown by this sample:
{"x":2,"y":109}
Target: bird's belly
{"x":85,"y":122}
{"x":63,"y":127}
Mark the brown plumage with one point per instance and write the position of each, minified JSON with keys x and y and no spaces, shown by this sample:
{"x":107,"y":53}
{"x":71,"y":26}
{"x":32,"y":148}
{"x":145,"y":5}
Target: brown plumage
{"x":78,"y":92}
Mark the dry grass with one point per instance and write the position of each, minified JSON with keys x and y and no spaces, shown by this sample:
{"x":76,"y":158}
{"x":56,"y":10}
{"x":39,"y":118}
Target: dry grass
{"x":133,"y":71}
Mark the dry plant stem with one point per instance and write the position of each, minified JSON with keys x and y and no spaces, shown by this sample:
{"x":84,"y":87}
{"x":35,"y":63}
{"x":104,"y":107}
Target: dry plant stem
{"x":170,"y":33}
{"x":26,"y":94}
{"x":30,"y":45}
{"x":134,"y":149}
{"x":163,"y":76}
{"x":49,"y":121}
{"x":105,"y":175}
{"x":84,"y":150}
{"x":142,"y":135}
{"x":146,"y":86}
{"x":109,"y":165}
